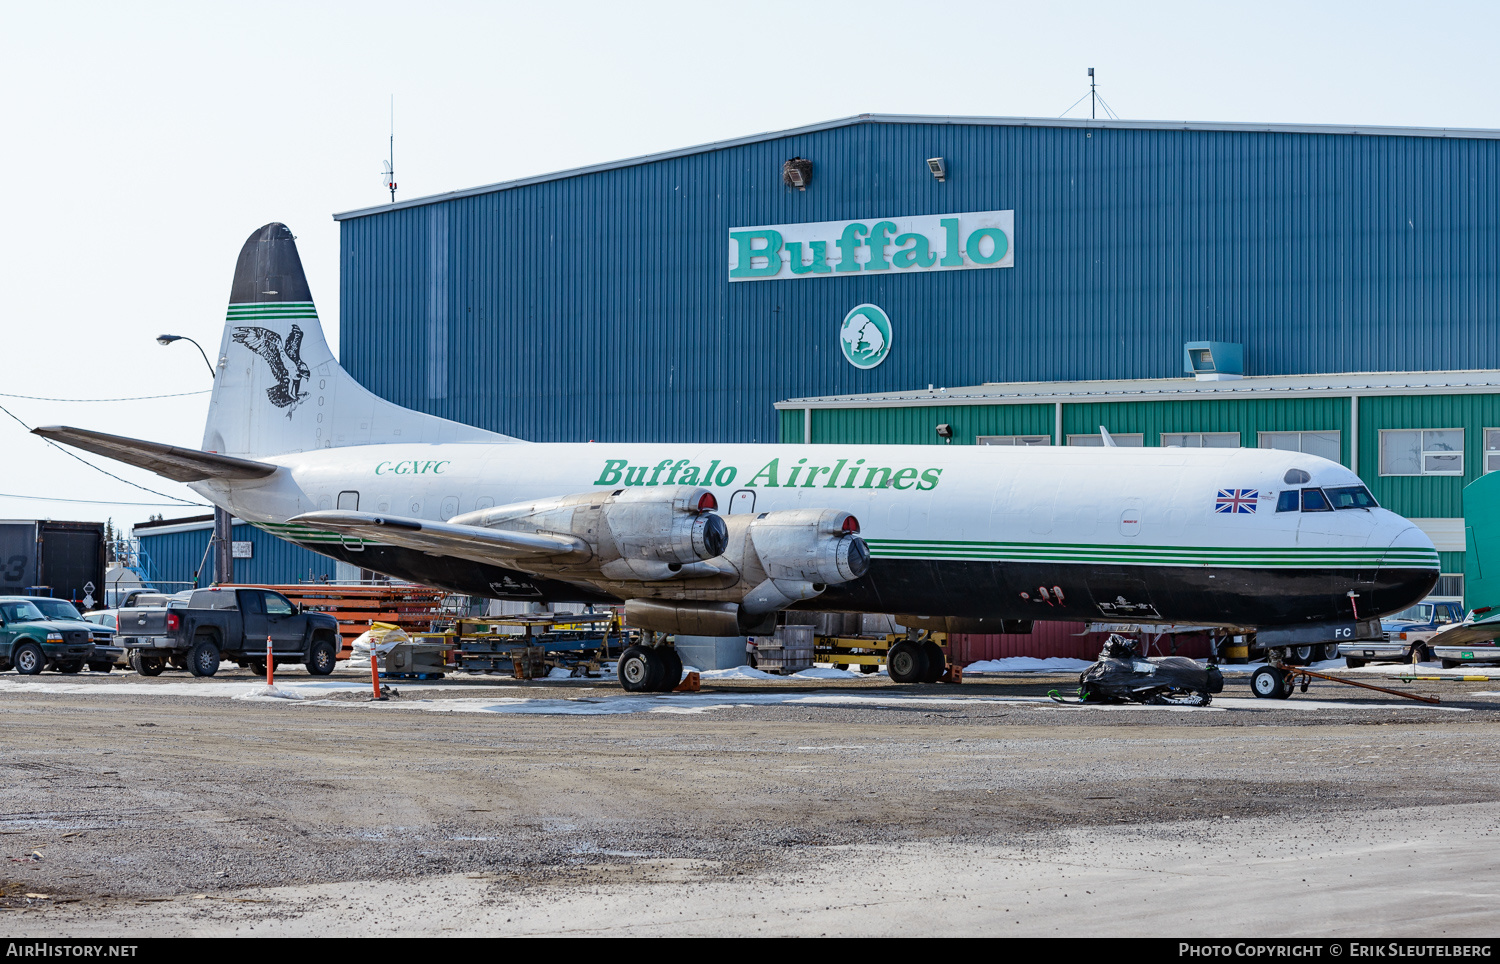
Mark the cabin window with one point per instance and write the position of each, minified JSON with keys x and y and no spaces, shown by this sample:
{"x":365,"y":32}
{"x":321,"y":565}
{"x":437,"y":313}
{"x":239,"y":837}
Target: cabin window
{"x":1289,"y":501}
{"x":1016,"y":439}
{"x":1428,"y":451}
{"x":1202,"y":440}
{"x":1322,"y":444}
{"x":1313,"y":500}
{"x":1351,"y":497}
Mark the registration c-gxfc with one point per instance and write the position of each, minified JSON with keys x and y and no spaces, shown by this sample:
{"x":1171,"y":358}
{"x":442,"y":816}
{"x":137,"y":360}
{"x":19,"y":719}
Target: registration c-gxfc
{"x":715,"y":539}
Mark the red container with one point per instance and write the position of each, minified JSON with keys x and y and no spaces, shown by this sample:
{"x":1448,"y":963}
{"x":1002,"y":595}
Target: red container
{"x":1068,"y":641}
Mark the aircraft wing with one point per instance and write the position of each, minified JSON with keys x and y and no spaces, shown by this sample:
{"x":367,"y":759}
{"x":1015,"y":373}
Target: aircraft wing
{"x":446,"y":539}
{"x":169,"y":461}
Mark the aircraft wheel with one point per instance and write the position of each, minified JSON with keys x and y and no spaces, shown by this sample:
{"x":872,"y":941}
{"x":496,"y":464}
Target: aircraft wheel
{"x":1303,"y":654}
{"x":937,"y":662}
{"x":638,"y":671}
{"x":671,"y":668}
{"x":1330,"y":651}
{"x":907,"y":662}
{"x":1269,"y":683}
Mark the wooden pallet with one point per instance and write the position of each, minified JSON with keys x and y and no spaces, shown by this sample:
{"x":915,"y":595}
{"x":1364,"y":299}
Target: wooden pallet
{"x":413,"y":608}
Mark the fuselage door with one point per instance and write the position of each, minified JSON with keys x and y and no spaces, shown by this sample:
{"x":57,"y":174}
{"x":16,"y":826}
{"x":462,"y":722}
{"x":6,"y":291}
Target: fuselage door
{"x":349,"y":499}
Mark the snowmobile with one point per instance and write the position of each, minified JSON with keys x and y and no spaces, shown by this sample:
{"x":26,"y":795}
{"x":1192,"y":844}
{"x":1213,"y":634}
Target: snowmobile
{"x":1121,"y":676}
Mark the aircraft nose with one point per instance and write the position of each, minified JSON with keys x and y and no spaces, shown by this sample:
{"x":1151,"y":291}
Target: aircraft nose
{"x":1408,"y":571}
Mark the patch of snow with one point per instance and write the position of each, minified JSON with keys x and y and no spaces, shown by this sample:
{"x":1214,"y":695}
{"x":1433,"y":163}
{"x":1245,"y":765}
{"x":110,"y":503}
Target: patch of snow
{"x":735,"y":672}
{"x":820,"y":672}
{"x":271,"y":693}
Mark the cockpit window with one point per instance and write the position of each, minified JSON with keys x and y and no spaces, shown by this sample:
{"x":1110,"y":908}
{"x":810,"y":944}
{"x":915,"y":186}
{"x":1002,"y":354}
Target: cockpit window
{"x":1288,"y":501}
{"x":1351,"y":497}
{"x":1313,"y":500}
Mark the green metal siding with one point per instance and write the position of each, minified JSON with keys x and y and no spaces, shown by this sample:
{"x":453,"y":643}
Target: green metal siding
{"x":918,"y":426}
{"x":789,"y":425}
{"x":1425,"y":496}
{"x":1249,"y":417}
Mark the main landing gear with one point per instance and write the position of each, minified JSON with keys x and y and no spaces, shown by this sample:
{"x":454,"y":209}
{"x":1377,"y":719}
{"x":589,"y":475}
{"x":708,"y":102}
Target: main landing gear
{"x":916,"y":661}
{"x":650,"y":668}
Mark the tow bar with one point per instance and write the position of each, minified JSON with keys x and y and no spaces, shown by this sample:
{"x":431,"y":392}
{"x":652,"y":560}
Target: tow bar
{"x":1300,"y":677}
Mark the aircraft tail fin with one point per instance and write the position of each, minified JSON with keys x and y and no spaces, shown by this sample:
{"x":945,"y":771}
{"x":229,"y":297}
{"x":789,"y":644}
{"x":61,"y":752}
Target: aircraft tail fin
{"x":1482,"y":546}
{"x":277,"y":387}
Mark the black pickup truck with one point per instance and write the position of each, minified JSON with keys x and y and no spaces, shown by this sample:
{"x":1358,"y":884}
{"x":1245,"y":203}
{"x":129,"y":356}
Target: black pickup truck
{"x":216,"y":624}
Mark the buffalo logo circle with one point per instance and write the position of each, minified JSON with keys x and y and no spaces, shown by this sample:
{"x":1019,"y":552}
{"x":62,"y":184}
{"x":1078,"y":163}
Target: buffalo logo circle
{"x":865,"y":336}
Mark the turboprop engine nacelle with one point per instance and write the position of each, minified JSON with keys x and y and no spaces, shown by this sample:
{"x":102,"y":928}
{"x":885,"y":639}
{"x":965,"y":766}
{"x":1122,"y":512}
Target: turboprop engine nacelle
{"x":633,"y":534}
{"x":800,"y":553}
{"x":773,"y":560}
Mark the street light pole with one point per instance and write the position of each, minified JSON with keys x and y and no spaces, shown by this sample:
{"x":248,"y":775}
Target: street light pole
{"x":223,"y":537}
{"x":165,"y":340}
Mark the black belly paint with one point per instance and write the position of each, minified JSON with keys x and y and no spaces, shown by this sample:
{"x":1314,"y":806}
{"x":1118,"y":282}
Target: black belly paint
{"x":1272,"y":596}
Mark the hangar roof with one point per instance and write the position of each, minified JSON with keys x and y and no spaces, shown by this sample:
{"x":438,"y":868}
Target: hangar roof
{"x":1341,"y":384}
{"x":1442,"y":132}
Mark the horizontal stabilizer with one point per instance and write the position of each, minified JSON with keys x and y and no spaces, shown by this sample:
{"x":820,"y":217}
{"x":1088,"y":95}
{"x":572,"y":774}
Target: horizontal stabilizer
{"x":168,"y":461}
{"x":475,"y":543}
{"x":1467,"y":634}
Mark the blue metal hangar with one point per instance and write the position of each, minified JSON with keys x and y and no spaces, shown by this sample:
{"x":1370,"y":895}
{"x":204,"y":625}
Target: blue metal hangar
{"x":963,"y":280}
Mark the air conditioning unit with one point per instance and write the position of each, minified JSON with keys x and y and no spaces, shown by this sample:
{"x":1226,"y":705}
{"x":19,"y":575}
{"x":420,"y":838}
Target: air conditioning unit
{"x":1212,"y":361}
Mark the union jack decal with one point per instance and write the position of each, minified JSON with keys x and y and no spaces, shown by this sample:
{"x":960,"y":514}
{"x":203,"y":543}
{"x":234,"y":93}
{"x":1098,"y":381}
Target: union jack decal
{"x":1236,"y":501}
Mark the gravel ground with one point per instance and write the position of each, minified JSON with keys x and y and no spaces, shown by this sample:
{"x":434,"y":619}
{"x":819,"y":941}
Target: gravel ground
{"x":150,"y":810}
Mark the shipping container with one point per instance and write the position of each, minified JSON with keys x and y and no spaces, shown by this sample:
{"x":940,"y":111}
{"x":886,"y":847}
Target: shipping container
{"x":47,"y":558}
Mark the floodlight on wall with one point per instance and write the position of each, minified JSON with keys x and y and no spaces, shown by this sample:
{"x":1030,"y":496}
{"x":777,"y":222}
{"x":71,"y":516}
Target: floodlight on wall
{"x":797,"y":172}
{"x":938,"y":167}
{"x":945,"y":432}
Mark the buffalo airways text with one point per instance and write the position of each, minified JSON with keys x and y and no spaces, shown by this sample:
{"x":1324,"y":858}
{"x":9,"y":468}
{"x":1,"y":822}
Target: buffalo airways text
{"x":842,"y":474}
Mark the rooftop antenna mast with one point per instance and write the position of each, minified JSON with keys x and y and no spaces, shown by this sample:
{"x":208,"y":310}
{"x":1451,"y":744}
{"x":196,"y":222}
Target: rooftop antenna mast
{"x":1093,"y":103}
{"x":390,"y":164}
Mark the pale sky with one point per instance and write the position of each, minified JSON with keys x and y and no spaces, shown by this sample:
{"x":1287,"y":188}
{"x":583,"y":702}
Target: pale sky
{"x":143,"y":142}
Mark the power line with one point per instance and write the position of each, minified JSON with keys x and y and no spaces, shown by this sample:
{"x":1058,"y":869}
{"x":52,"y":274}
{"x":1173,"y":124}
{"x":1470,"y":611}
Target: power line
{"x":134,"y":398}
{"x":49,"y":498}
{"x":98,"y":469}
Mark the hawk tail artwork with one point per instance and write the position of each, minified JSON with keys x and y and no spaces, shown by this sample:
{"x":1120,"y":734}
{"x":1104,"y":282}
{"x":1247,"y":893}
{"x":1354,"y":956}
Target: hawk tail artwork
{"x":278,"y":388}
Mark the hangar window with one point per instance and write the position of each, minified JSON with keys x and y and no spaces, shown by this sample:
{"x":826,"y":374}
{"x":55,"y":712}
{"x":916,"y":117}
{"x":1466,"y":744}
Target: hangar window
{"x":1425,"y":451}
{"x":1123,"y":441}
{"x":1449,"y":584}
{"x":1202,"y":440}
{"x":1322,"y":444}
{"x":1491,"y":449}
{"x":1028,"y":440}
